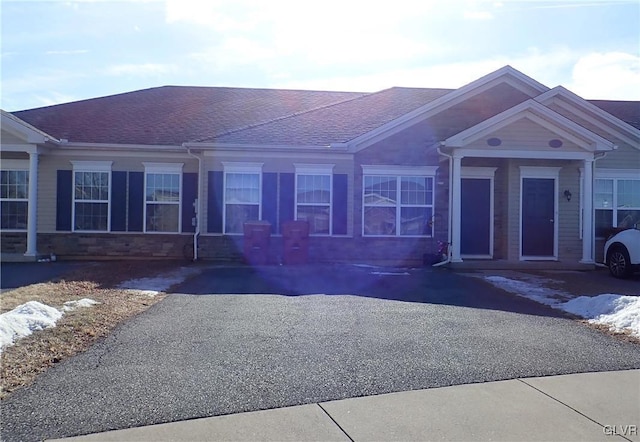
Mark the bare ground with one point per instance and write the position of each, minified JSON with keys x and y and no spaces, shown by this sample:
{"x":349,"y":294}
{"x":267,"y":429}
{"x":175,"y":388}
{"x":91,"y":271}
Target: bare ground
{"x":77,"y":330}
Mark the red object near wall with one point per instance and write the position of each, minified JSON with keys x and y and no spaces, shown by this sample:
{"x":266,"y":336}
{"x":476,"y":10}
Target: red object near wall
{"x":257,"y":235}
{"x":295,"y":235}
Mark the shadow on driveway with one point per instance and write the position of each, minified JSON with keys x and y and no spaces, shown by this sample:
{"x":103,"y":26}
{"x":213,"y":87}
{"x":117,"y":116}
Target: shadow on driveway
{"x":421,"y":285}
{"x":20,"y":274}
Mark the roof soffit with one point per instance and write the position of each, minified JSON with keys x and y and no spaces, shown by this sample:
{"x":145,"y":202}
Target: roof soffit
{"x":23,"y":130}
{"x":540,"y":115}
{"x":506,"y":75}
{"x":591,"y":113}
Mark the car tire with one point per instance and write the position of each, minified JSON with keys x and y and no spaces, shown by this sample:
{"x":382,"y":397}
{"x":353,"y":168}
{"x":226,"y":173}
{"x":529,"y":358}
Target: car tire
{"x":619,"y":262}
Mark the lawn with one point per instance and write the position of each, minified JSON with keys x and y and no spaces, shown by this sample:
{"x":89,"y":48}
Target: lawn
{"x":79,"y":328}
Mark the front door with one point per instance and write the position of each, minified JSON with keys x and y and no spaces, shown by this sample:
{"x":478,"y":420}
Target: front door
{"x":475,"y":222}
{"x":538,"y":217}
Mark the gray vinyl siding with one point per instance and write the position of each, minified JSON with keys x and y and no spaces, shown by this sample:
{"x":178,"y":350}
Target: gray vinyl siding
{"x":278,"y":163}
{"x":625,"y":157}
{"x":525,"y":135}
{"x":50,"y":164}
{"x":569,"y":242}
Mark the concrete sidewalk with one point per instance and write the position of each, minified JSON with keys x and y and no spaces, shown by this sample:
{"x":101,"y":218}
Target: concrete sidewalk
{"x":580,"y":407}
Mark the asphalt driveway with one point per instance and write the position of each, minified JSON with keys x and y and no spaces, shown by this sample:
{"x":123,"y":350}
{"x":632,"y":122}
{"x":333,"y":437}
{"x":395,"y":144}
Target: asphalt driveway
{"x":238,"y":339}
{"x":18,"y":274}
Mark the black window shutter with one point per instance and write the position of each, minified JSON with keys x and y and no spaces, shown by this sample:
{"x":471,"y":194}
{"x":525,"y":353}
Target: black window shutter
{"x":215,"y":201}
{"x":136,"y":201}
{"x":189,"y":195}
{"x":118,"y":201}
{"x":287,"y":197}
{"x":340,"y":190}
{"x":270,"y":199}
{"x":64,"y":199}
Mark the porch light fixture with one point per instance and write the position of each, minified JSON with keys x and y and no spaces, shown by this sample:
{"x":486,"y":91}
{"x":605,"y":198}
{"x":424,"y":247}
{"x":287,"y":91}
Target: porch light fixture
{"x":567,"y":194}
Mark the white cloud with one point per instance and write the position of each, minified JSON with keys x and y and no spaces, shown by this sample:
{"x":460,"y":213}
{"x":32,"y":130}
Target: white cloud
{"x":52,"y":97}
{"x":477,"y":15}
{"x":142,"y":69}
{"x":611,"y":75}
{"x":67,"y":52}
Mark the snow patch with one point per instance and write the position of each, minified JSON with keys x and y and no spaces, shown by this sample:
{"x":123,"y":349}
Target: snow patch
{"x":154,"y":285}
{"x":390,"y":273}
{"x":618,"y":312}
{"x":73,"y":305}
{"x":535,"y":292}
{"x":24,"y":320}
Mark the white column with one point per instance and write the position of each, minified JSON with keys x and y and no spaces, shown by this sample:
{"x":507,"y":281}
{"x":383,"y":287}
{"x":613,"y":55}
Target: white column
{"x":587,"y":214}
{"x":32,"y":209}
{"x":456,"y":209}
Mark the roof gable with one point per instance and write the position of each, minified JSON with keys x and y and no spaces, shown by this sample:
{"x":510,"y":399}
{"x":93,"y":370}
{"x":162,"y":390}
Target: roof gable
{"x":537,"y":113}
{"x":21,"y":130}
{"x":570,"y":104}
{"x":503,"y":76}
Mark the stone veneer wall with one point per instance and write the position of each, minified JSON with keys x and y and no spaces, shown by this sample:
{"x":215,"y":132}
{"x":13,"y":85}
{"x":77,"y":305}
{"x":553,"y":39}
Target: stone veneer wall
{"x":110,"y":246}
{"x":13,"y":242}
{"x":226,"y":248}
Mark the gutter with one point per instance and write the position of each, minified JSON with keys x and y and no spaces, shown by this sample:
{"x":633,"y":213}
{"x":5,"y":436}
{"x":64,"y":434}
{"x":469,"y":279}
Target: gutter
{"x":449,"y":233}
{"x":198,"y":205}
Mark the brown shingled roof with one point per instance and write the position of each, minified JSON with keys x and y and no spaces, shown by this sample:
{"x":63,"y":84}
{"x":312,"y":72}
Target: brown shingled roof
{"x":171,"y":115}
{"x":627,"y":111}
{"x":337,"y":123}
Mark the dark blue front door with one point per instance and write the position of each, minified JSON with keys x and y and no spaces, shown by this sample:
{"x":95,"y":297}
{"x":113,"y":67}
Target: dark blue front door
{"x":476,"y":217}
{"x":538,"y":216}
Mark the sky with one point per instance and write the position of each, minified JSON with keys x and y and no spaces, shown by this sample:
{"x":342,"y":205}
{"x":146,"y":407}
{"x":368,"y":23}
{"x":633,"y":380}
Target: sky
{"x":60,"y":51}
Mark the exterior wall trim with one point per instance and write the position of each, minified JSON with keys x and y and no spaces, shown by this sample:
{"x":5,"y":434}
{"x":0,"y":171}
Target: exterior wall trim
{"x":399,"y":170}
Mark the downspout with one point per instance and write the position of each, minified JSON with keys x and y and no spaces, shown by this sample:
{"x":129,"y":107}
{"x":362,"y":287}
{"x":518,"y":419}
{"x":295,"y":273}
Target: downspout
{"x":198,"y":208}
{"x":450,"y":157}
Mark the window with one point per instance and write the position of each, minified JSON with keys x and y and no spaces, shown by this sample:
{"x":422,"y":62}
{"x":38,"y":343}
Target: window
{"x":616,"y":203}
{"x":313,"y":197}
{"x":242,"y":192}
{"x":162,"y":197}
{"x":91,"y":195}
{"x":397,"y":205}
{"x":14,"y":199}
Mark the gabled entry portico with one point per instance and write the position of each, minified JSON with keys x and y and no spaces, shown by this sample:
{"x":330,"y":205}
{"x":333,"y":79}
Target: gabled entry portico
{"x":537,"y":153}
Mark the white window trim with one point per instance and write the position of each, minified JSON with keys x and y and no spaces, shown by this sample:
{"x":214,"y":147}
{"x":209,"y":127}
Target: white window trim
{"x":487,"y":173}
{"x":93,"y":167}
{"x":582,"y":196}
{"x":398,"y":172}
{"x":541,"y":172}
{"x":316,"y":169}
{"x":17,"y":166}
{"x":245,"y":168}
{"x":163,"y":168}
{"x":615,"y":175}
{"x":427,"y":171}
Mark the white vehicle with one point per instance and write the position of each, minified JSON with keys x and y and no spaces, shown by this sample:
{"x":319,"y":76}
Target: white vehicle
{"x":622,"y":252}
